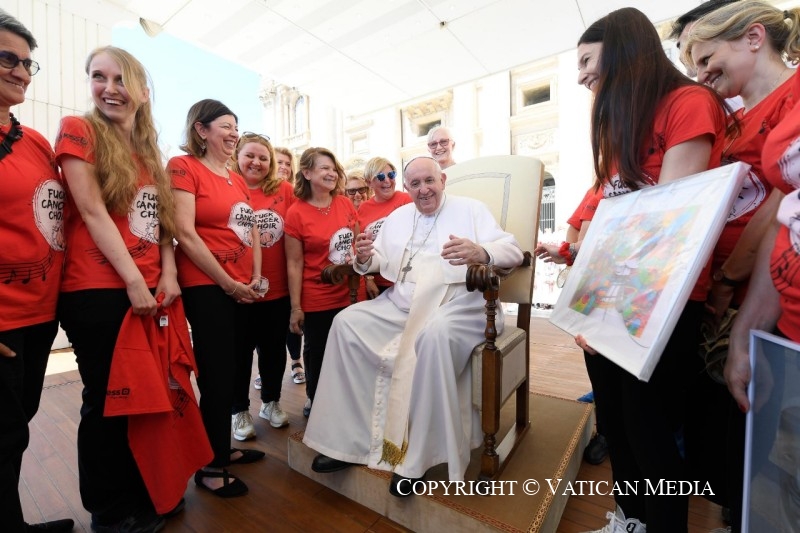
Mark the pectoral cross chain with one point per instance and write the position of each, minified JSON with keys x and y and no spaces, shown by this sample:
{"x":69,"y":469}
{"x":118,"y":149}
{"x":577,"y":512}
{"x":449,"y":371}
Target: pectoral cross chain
{"x":406,"y":269}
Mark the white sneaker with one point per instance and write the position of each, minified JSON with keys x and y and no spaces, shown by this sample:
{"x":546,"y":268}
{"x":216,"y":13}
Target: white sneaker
{"x":243,"y":426}
{"x":257,"y":383}
{"x":618,"y":524}
{"x":272,"y":411}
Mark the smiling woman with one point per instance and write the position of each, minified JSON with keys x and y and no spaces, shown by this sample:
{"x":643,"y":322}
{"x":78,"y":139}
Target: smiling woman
{"x":320,"y":229}
{"x":119,"y":255}
{"x":30,"y":266}
{"x":219,"y":266}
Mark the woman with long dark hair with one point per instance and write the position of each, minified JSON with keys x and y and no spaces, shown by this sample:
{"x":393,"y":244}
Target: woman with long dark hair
{"x":678,"y":130}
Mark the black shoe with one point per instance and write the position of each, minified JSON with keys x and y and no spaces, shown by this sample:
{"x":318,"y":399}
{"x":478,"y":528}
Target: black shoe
{"x":146,"y":521}
{"x":402,"y":487}
{"x":322,"y":464}
{"x":64,"y":525}
{"x":596,"y":451}
{"x":248,"y":456}
{"x":231,"y":486}
{"x":307,"y":408}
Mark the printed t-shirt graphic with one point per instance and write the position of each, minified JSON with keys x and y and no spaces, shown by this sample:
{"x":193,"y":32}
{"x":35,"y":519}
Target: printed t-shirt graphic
{"x":270,"y":216}
{"x":87,"y":267}
{"x":224,"y":219}
{"x":31,"y":230}
{"x":326,"y":238}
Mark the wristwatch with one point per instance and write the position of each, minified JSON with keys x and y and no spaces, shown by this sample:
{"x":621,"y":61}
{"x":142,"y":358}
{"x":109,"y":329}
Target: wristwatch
{"x":720,"y":277}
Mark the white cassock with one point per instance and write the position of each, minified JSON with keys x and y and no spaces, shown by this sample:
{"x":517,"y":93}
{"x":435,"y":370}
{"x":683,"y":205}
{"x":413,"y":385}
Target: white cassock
{"x":349,"y":415}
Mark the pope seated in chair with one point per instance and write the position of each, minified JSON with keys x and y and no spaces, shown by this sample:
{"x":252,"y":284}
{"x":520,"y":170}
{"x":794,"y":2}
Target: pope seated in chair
{"x":395,"y":391}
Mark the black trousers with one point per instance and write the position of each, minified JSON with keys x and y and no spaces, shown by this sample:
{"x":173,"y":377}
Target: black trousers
{"x":21,"y":379}
{"x":641,"y":420}
{"x":218,"y":323}
{"x":293,"y":341}
{"x":110,"y":483}
{"x":315,"y":332}
{"x":264,"y":326}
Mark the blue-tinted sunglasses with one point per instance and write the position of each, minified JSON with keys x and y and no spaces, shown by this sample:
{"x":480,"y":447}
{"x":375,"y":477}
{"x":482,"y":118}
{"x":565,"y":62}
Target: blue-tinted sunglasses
{"x":391,"y":175}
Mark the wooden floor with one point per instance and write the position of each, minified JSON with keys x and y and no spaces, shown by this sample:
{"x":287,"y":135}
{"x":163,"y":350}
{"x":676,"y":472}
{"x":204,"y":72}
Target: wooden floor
{"x":281,"y":499}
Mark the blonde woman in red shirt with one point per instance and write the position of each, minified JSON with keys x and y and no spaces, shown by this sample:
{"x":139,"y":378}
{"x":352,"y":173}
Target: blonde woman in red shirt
{"x":320,"y":229}
{"x":266,"y":321}
{"x":119,"y":233}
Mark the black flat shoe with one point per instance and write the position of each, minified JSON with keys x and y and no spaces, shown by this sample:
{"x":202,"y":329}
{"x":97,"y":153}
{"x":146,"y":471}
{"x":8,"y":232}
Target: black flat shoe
{"x":323,"y":464}
{"x":231,"y":486}
{"x":402,"y":487}
{"x":64,"y":525}
{"x":596,"y":451}
{"x":248,"y":456}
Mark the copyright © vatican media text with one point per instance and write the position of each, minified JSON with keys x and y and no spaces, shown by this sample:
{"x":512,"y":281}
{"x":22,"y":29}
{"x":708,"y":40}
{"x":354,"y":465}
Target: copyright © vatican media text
{"x":557,"y":486}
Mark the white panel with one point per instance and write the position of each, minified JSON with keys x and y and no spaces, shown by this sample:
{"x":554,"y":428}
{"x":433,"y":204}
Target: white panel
{"x":53,"y":119}
{"x":68,"y":62}
{"x":80,"y":51}
{"x":53,"y":65}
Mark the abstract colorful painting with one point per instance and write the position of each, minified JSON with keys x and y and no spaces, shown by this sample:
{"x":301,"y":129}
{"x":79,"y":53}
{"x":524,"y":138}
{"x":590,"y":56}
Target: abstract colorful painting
{"x":639,"y":262}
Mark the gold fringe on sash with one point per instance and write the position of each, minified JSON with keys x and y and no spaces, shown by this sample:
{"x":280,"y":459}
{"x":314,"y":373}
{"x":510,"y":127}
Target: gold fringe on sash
{"x":393,"y":454}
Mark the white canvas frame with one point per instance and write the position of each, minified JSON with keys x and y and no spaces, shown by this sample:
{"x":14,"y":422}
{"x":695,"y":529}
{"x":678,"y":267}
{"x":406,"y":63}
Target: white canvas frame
{"x":640,"y":259}
{"x":772,"y":442}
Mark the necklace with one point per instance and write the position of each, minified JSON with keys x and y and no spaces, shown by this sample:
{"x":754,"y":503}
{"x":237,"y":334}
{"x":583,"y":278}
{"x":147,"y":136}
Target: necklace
{"x":14,"y":134}
{"x":324,"y":210}
{"x":223,"y":175}
{"x":406,"y":269}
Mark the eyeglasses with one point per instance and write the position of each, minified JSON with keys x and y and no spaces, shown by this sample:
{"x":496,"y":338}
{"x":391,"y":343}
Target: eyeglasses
{"x":443,"y":143}
{"x":251,"y":134}
{"x":10,"y":60}
{"x":391,"y":175}
{"x":352,"y":192}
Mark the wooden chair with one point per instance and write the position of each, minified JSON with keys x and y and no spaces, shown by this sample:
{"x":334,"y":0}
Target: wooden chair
{"x":511,"y":186}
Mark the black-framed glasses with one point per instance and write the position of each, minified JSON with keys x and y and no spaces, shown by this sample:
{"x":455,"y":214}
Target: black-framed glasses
{"x":251,"y":134}
{"x":360,"y":190}
{"x":443,"y":143}
{"x":381,"y":176}
{"x":10,"y":60}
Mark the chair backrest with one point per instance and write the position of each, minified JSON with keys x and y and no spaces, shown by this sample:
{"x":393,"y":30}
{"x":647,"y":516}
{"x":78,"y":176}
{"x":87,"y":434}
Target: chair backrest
{"x":511,"y":186}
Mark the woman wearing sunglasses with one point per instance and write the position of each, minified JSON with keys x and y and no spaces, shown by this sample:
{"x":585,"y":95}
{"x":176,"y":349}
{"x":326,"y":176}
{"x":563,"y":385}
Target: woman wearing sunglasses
{"x":381,"y":176}
{"x":356,"y":188}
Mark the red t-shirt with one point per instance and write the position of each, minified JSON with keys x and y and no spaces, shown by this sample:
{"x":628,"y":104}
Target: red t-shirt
{"x":31,"y":230}
{"x":684,"y":114}
{"x":747,"y":146}
{"x":371,"y":215}
{"x":270,"y":214}
{"x":586,"y":209}
{"x":223,"y":219}
{"x":781,"y":161}
{"x":85,"y":265}
{"x":326,"y":238}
